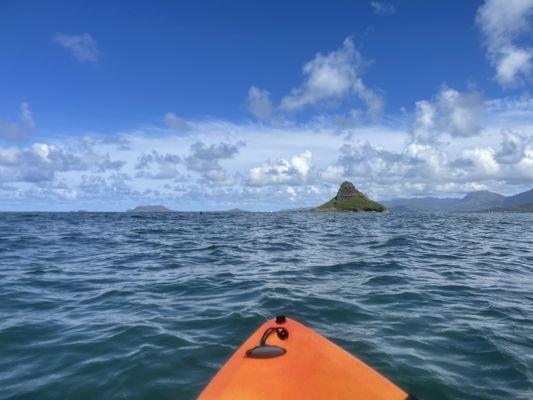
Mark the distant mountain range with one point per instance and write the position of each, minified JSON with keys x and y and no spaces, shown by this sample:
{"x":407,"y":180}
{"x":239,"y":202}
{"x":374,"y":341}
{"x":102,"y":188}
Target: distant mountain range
{"x":482,"y":200}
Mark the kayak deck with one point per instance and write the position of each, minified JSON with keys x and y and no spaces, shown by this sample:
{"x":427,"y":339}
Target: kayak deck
{"x":311,"y":368}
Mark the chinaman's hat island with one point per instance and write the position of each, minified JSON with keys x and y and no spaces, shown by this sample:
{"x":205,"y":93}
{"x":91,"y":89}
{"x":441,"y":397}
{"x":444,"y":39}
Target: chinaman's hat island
{"x":348,"y":198}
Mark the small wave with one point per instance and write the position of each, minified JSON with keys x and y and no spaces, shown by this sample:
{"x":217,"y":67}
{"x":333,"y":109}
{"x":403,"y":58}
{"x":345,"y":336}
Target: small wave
{"x":145,"y":306}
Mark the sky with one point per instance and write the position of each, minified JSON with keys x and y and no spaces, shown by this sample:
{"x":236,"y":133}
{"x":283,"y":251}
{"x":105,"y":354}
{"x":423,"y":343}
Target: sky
{"x":211,"y":105}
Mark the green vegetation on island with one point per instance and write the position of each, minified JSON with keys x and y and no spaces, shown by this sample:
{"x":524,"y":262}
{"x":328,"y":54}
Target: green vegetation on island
{"x":348,"y":198}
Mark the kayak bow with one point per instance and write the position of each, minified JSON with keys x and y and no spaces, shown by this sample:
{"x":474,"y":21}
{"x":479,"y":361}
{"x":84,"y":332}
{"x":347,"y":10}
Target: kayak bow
{"x":284,"y":359}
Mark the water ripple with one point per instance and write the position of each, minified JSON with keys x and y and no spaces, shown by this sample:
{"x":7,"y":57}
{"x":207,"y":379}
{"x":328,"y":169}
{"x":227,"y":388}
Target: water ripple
{"x":106,"y":305}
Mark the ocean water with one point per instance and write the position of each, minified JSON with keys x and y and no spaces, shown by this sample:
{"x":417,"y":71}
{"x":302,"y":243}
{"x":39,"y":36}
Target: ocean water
{"x":131,"y":306}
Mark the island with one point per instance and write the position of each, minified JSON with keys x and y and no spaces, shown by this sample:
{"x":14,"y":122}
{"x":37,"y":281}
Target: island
{"x":150,"y":209}
{"x":348,"y":198}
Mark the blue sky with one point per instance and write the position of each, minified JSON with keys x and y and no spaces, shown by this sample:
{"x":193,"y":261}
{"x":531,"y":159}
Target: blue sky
{"x":261,"y":105}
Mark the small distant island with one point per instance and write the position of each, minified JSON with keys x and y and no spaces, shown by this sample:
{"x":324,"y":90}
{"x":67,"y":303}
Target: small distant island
{"x":150,"y":209}
{"x":348,"y":198}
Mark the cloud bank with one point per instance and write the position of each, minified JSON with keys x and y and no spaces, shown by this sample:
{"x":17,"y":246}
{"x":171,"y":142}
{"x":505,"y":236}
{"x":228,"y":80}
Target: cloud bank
{"x":219,"y":164}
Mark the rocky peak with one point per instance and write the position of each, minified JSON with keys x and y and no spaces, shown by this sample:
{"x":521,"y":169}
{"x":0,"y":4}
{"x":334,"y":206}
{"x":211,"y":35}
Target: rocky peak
{"x":348,"y":191}
{"x":483,"y":194}
{"x":348,"y":198}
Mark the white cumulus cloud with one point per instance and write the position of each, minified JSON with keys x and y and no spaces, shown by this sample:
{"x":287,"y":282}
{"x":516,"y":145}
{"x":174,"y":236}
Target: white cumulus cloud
{"x":41,"y":161}
{"x":513,"y":147}
{"x":205,"y":159}
{"x":506,"y":26}
{"x":281,"y":171}
{"x":450,"y":112}
{"x":158,"y":166}
{"x":333,"y":77}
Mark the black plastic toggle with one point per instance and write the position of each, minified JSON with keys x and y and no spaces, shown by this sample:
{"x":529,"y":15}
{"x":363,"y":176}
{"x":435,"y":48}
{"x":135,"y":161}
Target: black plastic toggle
{"x":283,"y":333}
{"x":280,"y":319}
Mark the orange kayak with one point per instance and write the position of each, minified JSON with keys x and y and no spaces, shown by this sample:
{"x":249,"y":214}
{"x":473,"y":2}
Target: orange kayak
{"x":284,"y":359}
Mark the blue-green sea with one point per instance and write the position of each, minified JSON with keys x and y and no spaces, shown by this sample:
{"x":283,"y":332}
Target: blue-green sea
{"x":149,"y":306}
